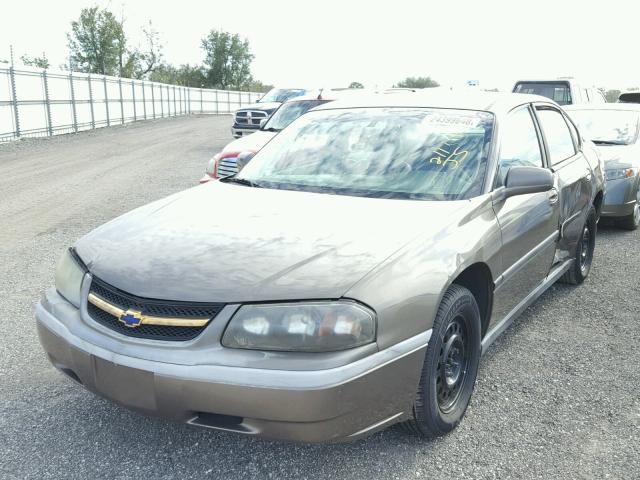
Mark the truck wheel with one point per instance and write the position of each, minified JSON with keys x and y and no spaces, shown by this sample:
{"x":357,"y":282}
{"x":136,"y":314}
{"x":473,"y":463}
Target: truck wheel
{"x":450,"y":366}
{"x":631,"y":222}
{"x":584,"y":252}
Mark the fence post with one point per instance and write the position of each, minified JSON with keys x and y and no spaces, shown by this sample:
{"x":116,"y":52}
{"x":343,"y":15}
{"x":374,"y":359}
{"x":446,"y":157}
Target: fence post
{"x":201,"y":111}
{"x":161,"y":103}
{"x":228,"y":101}
{"x":106,"y":100}
{"x":16,"y":116}
{"x":47,"y":102}
{"x":175,"y":108}
{"x":133,"y":97}
{"x":73,"y":103}
{"x":93,"y":118}
{"x":168,"y":102}
{"x":121,"y":104}
{"x":217,"y":107}
{"x":153,"y":100}
{"x":144,"y":101}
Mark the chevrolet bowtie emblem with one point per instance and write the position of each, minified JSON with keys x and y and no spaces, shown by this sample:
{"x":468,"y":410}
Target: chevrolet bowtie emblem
{"x":131,"y":318}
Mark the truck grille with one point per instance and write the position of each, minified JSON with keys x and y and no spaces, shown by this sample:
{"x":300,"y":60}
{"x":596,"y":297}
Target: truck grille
{"x":125,"y":301}
{"x":250,"y":117}
{"x":227,"y":166}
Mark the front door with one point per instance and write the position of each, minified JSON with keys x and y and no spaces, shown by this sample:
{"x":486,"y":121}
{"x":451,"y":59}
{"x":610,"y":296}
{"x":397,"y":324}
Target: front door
{"x":529,"y":223}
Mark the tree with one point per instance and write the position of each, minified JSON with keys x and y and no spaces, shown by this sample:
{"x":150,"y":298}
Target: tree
{"x":227,"y":60}
{"x":356,"y":85}
{"x":186,"y":75}
{"x":38,"y":62}
{"x":149,"y":58}
{"x":612,"y":95}
{"x":258,"y":86}
{"x":97,"y":42}
{"x":418,"y":82}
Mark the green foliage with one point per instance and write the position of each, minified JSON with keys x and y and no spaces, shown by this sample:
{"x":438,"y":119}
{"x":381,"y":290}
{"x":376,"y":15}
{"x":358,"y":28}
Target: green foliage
{"x":356,"y":85}
{"x":612,"y":95}
{"x":417,"y":82}
{"x":96,"y":42}
{"x":186,"y":75}
{"x":258,"y":86}
{"x":38,"y":62}
{"x":227,"y":60}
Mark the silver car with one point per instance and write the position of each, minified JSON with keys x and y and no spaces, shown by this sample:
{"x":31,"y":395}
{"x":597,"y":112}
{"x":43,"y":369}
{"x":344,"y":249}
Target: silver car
{"x":369,"y":254}
{"x":614,"y":128}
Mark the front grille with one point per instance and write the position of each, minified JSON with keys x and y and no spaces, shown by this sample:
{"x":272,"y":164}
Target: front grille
{"x":227,"y":166}
{"x":162,"y":308}
{"x":252,"y":117}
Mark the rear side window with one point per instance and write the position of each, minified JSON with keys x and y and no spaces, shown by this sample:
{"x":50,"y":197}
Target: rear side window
{"x":556,"y":91}
{"x":557,"y":134}
{"x":519,"y":144}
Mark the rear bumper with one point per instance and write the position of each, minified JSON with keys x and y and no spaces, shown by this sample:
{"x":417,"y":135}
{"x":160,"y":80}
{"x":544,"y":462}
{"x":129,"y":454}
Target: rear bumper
{"x":335,"y":404}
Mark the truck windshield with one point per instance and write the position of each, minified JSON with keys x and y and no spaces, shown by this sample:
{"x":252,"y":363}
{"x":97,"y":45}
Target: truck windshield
{"x":289,"y":111}
{"x":281,"y":94}
{"x":409,"y":153}
{"x":556,"y":91}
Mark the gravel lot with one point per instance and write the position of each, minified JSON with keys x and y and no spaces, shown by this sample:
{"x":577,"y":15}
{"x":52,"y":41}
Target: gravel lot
{"x":557,"y":395}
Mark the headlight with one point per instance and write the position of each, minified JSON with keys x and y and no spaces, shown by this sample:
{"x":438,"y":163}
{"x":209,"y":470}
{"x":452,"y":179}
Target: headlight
{"x":69,"y":276}
{"x":617,"y":173}
{"x":212,"y":166}
{"x":306,"y":327}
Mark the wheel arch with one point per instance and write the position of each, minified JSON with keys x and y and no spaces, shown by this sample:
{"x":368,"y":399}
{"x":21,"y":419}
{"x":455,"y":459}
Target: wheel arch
{"x":478,"y":280}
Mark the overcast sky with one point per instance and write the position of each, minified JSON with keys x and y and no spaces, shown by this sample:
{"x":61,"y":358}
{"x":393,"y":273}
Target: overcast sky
{"x":331,"y":43}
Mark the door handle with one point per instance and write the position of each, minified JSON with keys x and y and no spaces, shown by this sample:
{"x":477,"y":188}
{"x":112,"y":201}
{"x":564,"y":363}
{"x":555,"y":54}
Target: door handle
{"x":553,"y":196}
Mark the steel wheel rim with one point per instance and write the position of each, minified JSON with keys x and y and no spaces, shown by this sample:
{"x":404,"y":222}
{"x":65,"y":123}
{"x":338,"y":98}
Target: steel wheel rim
{"x":584,"y":249}
{"x":453,"y":364}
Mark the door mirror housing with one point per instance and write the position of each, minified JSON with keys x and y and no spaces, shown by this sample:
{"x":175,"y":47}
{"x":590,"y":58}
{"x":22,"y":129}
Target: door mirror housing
{"x":244,"y":158}
{"x":525,"y":180}
{"x":263,"y":122}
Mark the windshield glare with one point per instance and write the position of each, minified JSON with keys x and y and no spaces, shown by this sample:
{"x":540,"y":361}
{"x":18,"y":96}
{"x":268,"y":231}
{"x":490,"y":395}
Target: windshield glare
{"x":415,"y":153}
{"x":617,"y":126}
{"x":281,"y":94}
{"x":288,"y":112}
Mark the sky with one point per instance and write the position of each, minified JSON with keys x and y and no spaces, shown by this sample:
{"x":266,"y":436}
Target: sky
{"x":331,"y":43}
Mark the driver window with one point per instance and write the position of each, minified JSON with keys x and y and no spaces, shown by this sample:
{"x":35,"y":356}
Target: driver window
{"x":520,"y":145}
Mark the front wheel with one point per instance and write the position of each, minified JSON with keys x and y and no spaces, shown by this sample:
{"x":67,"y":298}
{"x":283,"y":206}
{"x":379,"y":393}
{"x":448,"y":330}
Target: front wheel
{"x":631,"y":222}
{"x":584,"y":252}
{"x":450,"y":366}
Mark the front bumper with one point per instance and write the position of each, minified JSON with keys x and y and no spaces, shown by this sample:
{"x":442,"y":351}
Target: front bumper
{"x":620,"y":199}
{"x":238,"y":130}
{"x":335,"y":404}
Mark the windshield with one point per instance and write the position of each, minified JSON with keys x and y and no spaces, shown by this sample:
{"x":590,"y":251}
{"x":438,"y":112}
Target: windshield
{"x":611,"y":126}
{"x":556,"y":91}
{"x":288,"y":112}
{"x":281,"y":94}
{"x":415,"y":153}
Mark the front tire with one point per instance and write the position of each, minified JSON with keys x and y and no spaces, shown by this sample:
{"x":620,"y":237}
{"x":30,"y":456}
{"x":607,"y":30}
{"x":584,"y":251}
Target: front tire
{"x":631,"y":222}
{"x":581,"y":267}
{"x":450,"y":366}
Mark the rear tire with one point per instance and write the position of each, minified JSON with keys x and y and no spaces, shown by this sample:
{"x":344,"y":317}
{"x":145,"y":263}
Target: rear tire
{"x":581,"y":267}
{"x":450,"y":366}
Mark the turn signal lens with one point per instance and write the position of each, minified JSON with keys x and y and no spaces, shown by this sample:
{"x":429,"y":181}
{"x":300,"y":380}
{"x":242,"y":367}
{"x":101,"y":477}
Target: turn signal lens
{"x":617,"y":173}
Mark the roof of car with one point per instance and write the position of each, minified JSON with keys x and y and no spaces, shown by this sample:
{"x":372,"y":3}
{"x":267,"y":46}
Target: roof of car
{"x":454,"y":99}
{"x":634,"y":107}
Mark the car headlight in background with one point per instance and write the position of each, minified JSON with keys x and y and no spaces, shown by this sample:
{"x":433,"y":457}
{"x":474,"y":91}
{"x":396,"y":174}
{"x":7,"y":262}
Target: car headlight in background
{"x":304,"y":327}
{"x":617,"y":173}
{"x":69,"y":275}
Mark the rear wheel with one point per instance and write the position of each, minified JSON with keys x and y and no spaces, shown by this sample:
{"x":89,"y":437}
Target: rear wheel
{"x":450,"y":366}
{"x":631,"y":222}
{"x":584,"y":252}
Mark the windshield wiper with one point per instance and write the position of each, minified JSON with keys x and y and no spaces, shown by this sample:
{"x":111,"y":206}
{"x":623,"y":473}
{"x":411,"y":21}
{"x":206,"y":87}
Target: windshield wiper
{"x":240,"y":181}
{"x":608,"y":142}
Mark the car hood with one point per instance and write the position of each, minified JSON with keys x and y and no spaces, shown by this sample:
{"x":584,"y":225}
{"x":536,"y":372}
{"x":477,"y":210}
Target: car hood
{"x":260,"y":106}
{"x":253,"y":142}
{"x":262,"y":245}
{"x":619,"y":156}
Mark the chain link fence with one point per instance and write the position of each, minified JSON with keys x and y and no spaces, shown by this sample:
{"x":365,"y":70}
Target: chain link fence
{"x":36,"y":102}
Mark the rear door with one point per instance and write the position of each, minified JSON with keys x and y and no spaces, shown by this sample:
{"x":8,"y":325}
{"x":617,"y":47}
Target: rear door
{"x":572,"y":174}
{"x":528,"y":223}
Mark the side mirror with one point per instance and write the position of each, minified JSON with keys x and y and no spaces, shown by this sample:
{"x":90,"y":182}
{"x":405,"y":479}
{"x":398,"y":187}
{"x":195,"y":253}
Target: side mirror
{"x":524,"y":180}
{"x":244,"y":158}
{"x":263,"y":123}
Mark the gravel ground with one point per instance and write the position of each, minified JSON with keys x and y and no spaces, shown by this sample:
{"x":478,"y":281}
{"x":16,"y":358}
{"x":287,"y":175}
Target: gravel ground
{"x":557,"y":395}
